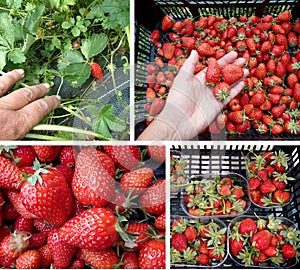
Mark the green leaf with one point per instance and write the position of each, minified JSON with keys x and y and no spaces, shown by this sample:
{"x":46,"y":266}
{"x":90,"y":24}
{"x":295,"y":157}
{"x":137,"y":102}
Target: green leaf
{"x":72,"y":57}
{"x":76,"y":74}
{"x":16,"y":56}
{"x":7,"y":29}
{"x":3,"y":53}
{"x":16,"y":4}
{"x":115,"y":123}
{"x":66,"y":25}
{"x":95,"y":12}
{"x":56,"y":42}
{"x":75,"y":31}
{"x":94,"y":45}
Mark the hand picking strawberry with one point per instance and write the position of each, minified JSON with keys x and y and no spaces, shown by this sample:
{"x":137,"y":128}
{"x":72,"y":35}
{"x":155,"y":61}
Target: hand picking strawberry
{"x":108,"y":214}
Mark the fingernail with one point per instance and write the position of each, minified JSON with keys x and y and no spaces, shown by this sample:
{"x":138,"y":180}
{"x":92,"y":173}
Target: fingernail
{"x":21,"y":71}
{"x":2,"y":86}
{"x":58,"y":97}
{"x":47,"y":85}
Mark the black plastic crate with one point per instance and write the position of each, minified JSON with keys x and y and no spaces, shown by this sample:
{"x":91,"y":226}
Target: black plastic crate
{"x":148,"y":16}
{"x":218,"y":159}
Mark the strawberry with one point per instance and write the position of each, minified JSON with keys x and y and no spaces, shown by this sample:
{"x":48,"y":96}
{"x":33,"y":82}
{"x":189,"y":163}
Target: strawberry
{"x":190,"y":233}
{"x":271,"y":251}
{"x":261,"y":240}
{"x":284,"y":16}
{"x":167,"y":23}
{"x":61,"y":251}
{"x":77,"y":264}
{"x":98,"y":235}
{"x":24,"y":155}
{"x":204,"y":49}
{"x":288,"y":251}
{"x":235,"y":246}
{"x":23,"y":224}
{"x":14,"y":244}
{"x":282,"y":197}
{"x":296,"y":93}
{"x":10,"y":175}
{"x":160,"y":222}
{"x":153,"y":199}
{"x":168,"y":50}
{"x":47,"y":195}
{"x":267,"y":187}
{"x":46,"y":256}
{"x":67,"y":156}
{"x":142,"y":230}
{"x":46,"y":153}
{"x":203,"y":259}
{"x":66,"y":171}
{"x":102,"y":259}
{"x":236,"y":117}
{"x":37,"y":240}
{"x":254,"y":183}
{"x":238,"y":192}
{"x":154,"y":36}
{"x":213,"y":71}
{"x":150,"y":94}
{"x":222,"y":91}
{"x":138,"y":180}
{"x":258,"y":98}
{"x":96,"y":70}
{"x":261,"y":71}
{"x":157,"y":152}
{"x":247,"y":226}
{"x":30,"y":259}
{"x":224,"y":189}
{"x":276,"y":129}
{"x":188,"y":42}
{"x":156,"y":106}
{"x":153,"y":255}
{"x":92,"y":184}
{"x":129,"y":260}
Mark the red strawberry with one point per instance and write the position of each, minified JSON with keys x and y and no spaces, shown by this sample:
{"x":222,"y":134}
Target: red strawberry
{"x":213,"y":71}
{"x":203,"y":259}
{"x":188,"y":42}
{"x":276,"y":129}
{"x":284,"y":16}
{"x":160,"y":222}
{"x":278,"y":110}
{"x":24,"y":155}
{"x":77,"y":264}
{"x":258,"y":99}
{"x":10,"y":174}
{"x":23,"y":224}
{"x":37,"y":240}
{"x":61,"y":251}
{"x":154,"y":36}
{"x":224,"y":190}
{"x":67,"y":156}
{"x":143,"y":235}
{"x":236,"y":117}
{"x":46,"y":256}
{"x":261,"y":71}
{"x":288,"y":251}
{"x":271,"y":251}
{"x":98,"y":235}
{"x":238,"y":192}
{"x":138,"y":180}
{"x":281,"y":196}
{"x":261,"y":240}
{"x":47,"y":195}
{"x":153,"y":255}
{"x":96,"y":70}
{"x":204,"y":49}
{"x":46,"y":153}
{"x":168,"y":50}
{"x":167,"y":22}
{"x":157,"y":152}
{"x":222,"y":91}
{"x":247,"y":226}
{"x":235,"y":246}
{"x":66,"y":171}
{"x":156,"y":106}
{"x":231,"y":73}
{"x":126,"y":157}
{"x":153,"y":200}
{"x":14,"y":244}
{"x":190,"y":233}
{"x":296,"y":93}
{"x":103,"y":259}
{"x":267,"y":187}
{"x":150,"y":94}
{"x":30,"y":259}
{"x":92,"y":184}
{"x":129,"y":260}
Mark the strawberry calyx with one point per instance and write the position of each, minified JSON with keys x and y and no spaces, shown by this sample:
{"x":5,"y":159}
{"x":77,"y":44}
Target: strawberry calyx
{"x":38,"y":170}
{"x":19,"y":241}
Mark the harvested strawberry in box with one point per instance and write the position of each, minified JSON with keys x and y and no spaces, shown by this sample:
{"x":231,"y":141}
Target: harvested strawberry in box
{"x":268,"y":178}
{"x":82,"y":207}
{"x":268,"y":242}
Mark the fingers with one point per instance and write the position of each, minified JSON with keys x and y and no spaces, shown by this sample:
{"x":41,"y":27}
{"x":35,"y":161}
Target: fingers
{"x":9,"y":79}
{"x":34,"y":112}
{"x":190,"y":63}
{"x":23,"y":96}
{"x":227,"y":59}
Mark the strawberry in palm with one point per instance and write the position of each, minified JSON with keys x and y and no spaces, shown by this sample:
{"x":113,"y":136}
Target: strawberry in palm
{"x":213,"y":72}
{"x":92,"y":184}
{"x":98,"y":234}
{"x":47,"y":195}
{"x":222,"y":91}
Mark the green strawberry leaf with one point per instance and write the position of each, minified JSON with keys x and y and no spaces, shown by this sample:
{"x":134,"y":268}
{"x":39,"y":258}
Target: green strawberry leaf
{"x":3,"y":53}
{"x":14,"y":3}
{"x":6,"y":30}
{"x":16,"y":56}
{"x":76,"y":74}
{"x":94,"y":45}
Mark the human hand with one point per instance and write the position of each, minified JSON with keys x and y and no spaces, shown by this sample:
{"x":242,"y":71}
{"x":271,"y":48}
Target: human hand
{"x":191,"y":105}
{"x":22,"y":109}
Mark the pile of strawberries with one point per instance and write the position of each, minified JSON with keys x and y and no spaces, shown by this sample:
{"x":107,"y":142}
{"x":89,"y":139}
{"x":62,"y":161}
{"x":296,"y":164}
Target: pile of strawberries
{"x":266,"y":242}
{"x":270,"y":44}
{"x":201,"y":242}
{"x":268,"y":178}
{"x":82,"y":207}
{"x":177,"y":173}
{"x":215,"y":196}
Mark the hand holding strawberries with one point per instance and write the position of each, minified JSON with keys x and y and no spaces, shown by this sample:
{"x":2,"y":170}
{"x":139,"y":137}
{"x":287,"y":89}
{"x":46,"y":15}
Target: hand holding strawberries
{"x":22,"y":109}
{"x":191,"y":105}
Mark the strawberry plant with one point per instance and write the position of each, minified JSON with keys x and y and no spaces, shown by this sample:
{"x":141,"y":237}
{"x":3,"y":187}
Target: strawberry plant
{"x":201,"y":242}
{"x":268,"y":178}
{"x":79,"y":47}
{"x":222,"y":196}
{"x":271,"y":241}
{"x":81,"y":207}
